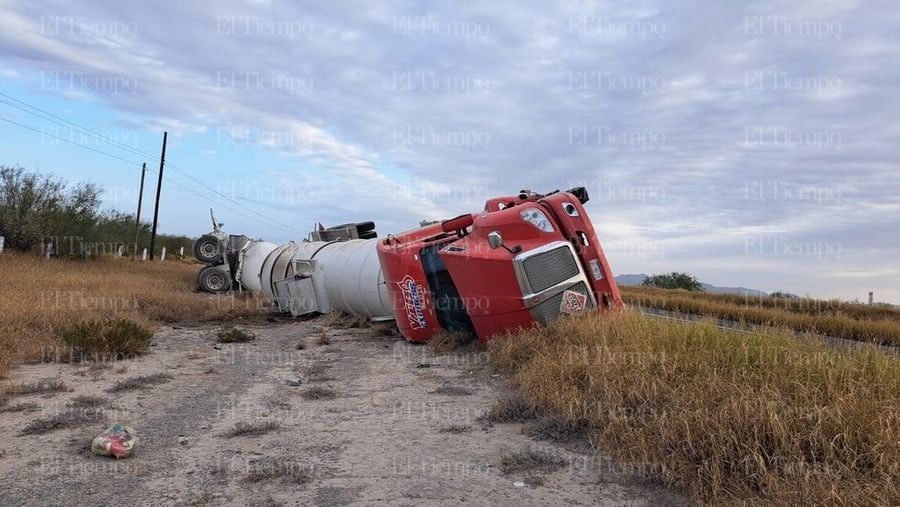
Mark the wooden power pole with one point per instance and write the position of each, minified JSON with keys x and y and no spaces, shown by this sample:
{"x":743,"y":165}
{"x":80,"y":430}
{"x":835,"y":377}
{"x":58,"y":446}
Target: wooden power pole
{"x":137,"y":222}
{"x":162,"y":163}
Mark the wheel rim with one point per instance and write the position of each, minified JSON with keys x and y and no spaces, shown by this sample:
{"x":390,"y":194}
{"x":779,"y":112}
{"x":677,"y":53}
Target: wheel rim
{"x":215,"y":281}
{"x":208,"y":250}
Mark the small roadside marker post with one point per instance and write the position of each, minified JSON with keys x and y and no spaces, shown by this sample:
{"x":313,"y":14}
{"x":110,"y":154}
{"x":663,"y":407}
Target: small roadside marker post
{"x":3,"y":239}
{"x":162,"y":256}
{"x":144,"y":255}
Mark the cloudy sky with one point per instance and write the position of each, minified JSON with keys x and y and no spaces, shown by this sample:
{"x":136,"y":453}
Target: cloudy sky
{"x":749,"y":143}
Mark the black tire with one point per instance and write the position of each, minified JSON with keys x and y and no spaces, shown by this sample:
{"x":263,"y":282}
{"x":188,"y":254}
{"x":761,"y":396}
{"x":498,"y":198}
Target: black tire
{"x":361,"y":227}
{"x":208,"y":249}
{"x":367,"y":226}
{"x":338,"y":227}
{"x":214,"y":279}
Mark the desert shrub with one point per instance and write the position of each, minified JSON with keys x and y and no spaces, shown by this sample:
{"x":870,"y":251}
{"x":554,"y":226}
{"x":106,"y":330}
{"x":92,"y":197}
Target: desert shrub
{"x":234,"y":335}
{"x":106,"y":339}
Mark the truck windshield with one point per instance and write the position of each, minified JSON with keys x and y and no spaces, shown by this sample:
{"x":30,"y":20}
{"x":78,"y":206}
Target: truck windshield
{"x":448,"y":305}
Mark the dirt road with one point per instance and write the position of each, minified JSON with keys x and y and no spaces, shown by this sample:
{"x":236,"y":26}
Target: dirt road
{"x":375,"y":420}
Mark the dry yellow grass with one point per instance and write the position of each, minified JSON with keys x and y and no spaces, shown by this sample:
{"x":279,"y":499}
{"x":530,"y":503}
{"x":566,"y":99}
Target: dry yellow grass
{"x":41,"y":298}
{"x":448,"y":341}
{"x":724,"y":416}
{"x":833,"y":318}
{"x":807,"y":306}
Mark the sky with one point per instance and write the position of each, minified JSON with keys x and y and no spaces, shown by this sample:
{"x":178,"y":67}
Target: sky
{"x":750,"y":143}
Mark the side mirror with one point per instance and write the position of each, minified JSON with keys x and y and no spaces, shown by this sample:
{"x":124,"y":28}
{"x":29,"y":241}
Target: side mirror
{"x":495,"y":240}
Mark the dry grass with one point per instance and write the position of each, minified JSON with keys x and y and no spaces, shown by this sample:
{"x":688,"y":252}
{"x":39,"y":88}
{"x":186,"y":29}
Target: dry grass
{"x":723,"y":415}
{"x":268,"y":469}
{"x":529,"y":459}
{"x":318,"y":372}
{"x":43,"y":386}
{"x":450,"y":341}
{"x":88,"y":401}
{"x":339,"y":320}
{"x":456,"y":429}
{"x":231,"y":334}
{"x":557,"y":429}
{"x":450,"y":390}
{"x":851,"y":321}
{"x":52,"y":296}
{"x":387,"y":329}
{"x":252,"y":429}
{"x":20,"y":407}
{"x":319,"y":393}
{"x":142,"y":382}
{"x":72,"y":418}
{"x":807,"y":306}
{"x":513,"y":408}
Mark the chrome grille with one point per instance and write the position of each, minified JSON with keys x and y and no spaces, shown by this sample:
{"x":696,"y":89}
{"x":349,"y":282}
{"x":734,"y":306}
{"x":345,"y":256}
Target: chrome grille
{"x":549,"y":268}
{"x":548,"y":311}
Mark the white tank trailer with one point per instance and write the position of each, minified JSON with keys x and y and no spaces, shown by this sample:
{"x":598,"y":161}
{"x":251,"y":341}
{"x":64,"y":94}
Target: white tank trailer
{"x":335,"y":269}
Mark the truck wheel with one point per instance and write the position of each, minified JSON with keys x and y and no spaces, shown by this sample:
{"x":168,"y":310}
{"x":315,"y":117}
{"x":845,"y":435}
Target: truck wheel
{"x":214,"y":279}
{"x":361,"y":227}
{"x":207,"y":249}
{"x":366,"y":226}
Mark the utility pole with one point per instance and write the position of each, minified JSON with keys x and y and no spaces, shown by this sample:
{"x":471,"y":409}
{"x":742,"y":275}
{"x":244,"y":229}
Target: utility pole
{"x":137,"y":222}
{"x":162,"y":163}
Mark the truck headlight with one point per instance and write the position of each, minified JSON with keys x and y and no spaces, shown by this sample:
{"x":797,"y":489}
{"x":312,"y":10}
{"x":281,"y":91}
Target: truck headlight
{"x":537,"y":218}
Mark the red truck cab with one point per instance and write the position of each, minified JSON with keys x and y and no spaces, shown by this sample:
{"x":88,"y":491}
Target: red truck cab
{"x":523,"y":261}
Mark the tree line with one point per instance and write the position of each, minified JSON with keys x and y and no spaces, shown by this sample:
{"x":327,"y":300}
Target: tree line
{"x":37,"y":210}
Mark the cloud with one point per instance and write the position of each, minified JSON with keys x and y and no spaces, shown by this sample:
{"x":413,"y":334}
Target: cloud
{"x":695,"y":125}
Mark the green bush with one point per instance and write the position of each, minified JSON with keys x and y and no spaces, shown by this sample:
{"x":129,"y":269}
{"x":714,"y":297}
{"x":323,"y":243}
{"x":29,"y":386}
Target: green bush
{"x":34,"y":207}
{"x":234,"y":335}
{"x":673,"y":280}
{"x":37,"y":209}
{"x":106,"y":339}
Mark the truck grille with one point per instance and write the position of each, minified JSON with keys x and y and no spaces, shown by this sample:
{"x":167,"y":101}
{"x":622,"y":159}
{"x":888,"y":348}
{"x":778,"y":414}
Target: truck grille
{"x":548,"y":311}
{"x":549,"y":268}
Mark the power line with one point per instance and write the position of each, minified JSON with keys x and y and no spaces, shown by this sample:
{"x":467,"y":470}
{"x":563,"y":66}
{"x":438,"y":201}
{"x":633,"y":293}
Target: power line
{"x":185,"y":173}
{"x":166,"y":177}
{"x":269,"y":221}
{"x":191,"y":190}
{"x":69,"y":124}
{"x":69,"y":141}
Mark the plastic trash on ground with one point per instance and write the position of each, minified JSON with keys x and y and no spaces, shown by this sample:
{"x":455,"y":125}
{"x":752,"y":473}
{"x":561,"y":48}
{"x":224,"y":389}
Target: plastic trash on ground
{"x":119,"y":441}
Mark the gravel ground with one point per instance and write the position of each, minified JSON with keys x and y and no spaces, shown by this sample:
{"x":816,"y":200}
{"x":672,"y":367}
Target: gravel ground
{"x":374,"y":421}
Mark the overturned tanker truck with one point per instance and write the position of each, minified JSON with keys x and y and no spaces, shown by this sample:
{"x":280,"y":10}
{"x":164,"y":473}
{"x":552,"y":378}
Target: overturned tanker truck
{"x":523,"y":261}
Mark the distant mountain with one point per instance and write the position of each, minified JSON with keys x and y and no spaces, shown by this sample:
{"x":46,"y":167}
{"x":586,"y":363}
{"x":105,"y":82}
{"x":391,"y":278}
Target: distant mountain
{"x":742,"y":291}
{"x":632,"y":279}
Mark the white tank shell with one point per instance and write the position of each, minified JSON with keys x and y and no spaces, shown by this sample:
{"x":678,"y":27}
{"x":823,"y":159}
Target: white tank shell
{"x":353,"y":282}
{"x":347,"y":279}
{"x":251,"y":265}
